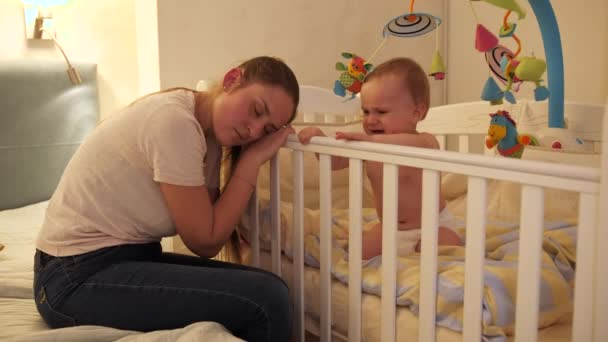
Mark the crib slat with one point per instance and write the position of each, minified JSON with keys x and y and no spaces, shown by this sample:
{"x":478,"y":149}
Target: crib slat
{"x":309,"y":117}
{"x":582,"y":326}
{"x":330,"y":118}
{"x":528,"y":275}
{"x":298,"y":243}
{"x":428,"y":258}
{"x":389,"y":250}
{"x":600,"y":328}
{"x":463,"y":143}
{"x":254,"y":233}
{"x":355,"y":192}
{"x":475,"y":256}
{"x":442,"y":141}
{"x":275,"y":217}
{"x":325,"y":235}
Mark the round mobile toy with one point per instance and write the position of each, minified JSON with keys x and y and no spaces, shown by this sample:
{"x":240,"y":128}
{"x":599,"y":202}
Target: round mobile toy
{"x":510,"y":69}
{"x":411,"y":24}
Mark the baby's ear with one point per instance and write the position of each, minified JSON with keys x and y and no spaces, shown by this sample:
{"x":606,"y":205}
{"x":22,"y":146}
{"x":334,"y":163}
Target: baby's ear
{"x":420,"y":111}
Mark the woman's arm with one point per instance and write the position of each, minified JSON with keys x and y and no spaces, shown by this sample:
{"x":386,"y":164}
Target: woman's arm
{"x":205,"y":227}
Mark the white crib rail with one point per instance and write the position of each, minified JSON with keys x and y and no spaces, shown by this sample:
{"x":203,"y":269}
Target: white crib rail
{"x":479,"y":168}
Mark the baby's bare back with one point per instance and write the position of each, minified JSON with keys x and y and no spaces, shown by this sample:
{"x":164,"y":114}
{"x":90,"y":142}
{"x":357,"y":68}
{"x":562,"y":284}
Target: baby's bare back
{"x":409,"y":193}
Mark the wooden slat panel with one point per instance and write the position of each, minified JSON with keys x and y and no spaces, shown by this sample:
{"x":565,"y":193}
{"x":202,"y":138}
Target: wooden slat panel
{"x":582,"y":326}
{"x":389,"y":250}
{"x":325,"y":236}
{"x":275,"y":217}
{"x":528,"y":275}
{"x":355,"y":194}
{"x":428,"y":258}
{"x":254,"y":233}
{"x":298,"y":244}
{"x":475,"y":256}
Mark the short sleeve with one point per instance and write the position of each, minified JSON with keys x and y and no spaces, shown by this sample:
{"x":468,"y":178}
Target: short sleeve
{"x":174,"y":146}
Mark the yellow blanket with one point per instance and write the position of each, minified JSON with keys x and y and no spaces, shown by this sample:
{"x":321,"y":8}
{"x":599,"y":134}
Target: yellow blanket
{"x":500,"y":272}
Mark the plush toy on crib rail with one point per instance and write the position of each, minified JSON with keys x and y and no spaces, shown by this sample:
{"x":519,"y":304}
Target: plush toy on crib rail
{"x":352,"y":76}
{"x":505,"y":64}
{"x":502,"y":133}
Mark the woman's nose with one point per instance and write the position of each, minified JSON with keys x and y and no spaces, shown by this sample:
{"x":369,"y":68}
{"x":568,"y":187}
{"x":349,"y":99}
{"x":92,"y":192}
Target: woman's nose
{"x":256,"y":128}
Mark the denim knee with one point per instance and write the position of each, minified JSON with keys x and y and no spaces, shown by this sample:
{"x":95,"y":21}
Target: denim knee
{"x":277,"y":306}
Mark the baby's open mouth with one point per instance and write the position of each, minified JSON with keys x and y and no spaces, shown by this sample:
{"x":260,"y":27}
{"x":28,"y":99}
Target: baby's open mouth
{"x":376,"y":131}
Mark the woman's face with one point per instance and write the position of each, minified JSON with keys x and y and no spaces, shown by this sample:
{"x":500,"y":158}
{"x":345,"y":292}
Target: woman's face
{"x":244,"y":114}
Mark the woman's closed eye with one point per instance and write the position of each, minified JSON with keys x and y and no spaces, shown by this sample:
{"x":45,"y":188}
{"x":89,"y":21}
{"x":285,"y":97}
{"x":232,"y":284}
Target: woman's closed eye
{"x":269,"y":129}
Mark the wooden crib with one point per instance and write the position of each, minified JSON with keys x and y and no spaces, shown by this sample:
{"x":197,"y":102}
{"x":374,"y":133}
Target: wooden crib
{"x":458,"y":127}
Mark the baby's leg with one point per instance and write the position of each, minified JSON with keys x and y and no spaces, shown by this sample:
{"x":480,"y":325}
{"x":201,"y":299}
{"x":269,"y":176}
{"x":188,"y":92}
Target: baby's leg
{"x":448,"y":237}
{"x":372,"y":242}
{"x":445,"y":237}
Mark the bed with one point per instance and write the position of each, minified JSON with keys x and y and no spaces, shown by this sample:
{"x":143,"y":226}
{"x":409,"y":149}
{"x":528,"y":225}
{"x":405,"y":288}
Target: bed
{"x":44,"y":118}
{"x":529,"y":219}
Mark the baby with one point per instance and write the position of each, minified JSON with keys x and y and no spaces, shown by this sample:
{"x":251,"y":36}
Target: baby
{"x":395,"y":96}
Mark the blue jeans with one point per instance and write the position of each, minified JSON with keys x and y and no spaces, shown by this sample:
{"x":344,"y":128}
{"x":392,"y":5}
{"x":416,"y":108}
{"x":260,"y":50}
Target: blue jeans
{"x":138,"y":287}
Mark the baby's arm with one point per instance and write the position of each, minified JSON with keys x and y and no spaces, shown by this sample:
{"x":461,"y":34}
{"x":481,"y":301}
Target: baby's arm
{"x":405,"y":139}
{"x":337,"y":163}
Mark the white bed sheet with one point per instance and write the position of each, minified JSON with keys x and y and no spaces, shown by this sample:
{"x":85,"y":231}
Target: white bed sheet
{"x":19,"y":319}
{"x":407,"y":322}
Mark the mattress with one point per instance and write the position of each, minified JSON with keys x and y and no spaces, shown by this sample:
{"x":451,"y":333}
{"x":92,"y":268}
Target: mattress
{"x":407,"y":321}
{"x":20,"y":320}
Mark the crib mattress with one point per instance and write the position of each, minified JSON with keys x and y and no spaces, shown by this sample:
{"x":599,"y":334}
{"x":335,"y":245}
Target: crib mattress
{"x":407,"y":322}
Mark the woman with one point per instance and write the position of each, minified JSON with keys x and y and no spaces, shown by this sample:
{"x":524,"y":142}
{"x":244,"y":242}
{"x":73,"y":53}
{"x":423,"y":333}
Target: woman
{"x":152,"y":171}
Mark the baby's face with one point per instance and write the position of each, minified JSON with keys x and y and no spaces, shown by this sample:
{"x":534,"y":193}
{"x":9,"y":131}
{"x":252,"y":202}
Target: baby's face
{"x":388,"y":107}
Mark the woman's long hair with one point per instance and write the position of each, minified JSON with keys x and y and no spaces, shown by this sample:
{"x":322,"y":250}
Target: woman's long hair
{"x":269,"y":71}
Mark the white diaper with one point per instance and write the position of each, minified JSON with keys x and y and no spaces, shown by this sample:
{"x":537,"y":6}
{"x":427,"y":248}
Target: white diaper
{"x":408,"y":239}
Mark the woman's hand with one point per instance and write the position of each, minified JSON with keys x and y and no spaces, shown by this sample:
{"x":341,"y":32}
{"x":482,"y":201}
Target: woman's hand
{"x":267,"y":146}
{"x":307,"y":133}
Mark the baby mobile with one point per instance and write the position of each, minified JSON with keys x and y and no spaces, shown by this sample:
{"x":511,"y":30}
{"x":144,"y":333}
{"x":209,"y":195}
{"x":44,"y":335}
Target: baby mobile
{"x":511,"y":69}
{"x":409,"y":25}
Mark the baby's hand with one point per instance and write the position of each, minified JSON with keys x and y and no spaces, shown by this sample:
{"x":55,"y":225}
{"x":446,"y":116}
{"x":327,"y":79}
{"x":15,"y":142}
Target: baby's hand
{"x":352,"y":136}
{"x":307,"y":133}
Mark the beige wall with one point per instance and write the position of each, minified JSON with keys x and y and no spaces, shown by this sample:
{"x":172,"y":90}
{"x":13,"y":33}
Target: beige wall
{"x":140,"y":49}
{"x":101,"y":32}
{"x":584,"y":35}
{"x":202,"y":39}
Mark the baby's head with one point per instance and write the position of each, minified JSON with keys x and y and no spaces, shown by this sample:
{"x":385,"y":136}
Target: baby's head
{"x":398,"y":87}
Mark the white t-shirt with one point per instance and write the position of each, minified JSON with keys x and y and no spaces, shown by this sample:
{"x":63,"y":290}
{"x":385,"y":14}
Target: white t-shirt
{"x":109,"y":193}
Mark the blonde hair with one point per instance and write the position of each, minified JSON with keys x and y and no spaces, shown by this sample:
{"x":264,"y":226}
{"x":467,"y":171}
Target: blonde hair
{"x":414,"y":78}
